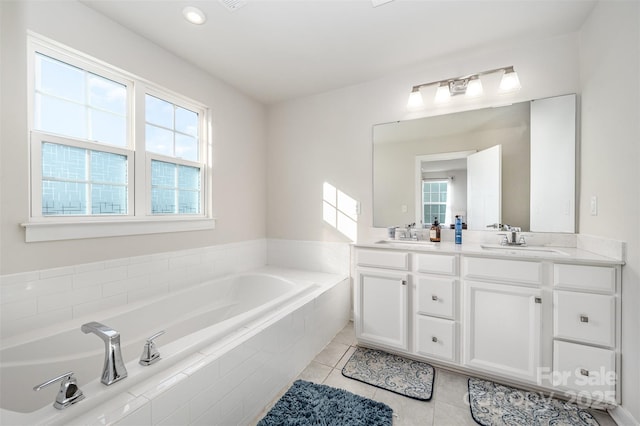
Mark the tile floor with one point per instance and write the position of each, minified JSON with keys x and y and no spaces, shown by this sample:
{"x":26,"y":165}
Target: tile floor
{"x":448,"y":406}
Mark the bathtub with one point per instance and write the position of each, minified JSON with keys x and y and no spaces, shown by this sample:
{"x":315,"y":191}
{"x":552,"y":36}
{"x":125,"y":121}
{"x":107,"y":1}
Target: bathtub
{"x":195,"y":320}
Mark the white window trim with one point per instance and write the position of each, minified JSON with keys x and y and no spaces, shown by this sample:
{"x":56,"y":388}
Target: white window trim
{"x":138,"y":220}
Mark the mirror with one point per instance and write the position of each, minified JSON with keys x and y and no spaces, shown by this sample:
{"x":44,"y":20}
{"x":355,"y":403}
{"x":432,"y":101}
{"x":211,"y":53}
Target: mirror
{"x":409,"y":157}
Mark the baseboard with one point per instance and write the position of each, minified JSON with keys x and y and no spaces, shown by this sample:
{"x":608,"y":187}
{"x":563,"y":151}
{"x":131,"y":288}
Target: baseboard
{"x":622,"y":417}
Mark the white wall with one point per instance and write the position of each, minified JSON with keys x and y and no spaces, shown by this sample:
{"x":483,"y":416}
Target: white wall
{"x":238,"y":137}
{"x":327,"y":137}
{"x":610,"y":158}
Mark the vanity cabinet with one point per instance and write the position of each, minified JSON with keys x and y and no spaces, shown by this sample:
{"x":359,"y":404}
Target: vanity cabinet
{"x":546,"y":322}
{"x":435,"y":306}
{"x":502,"y":323}
{"x":585,"y":312}
{"x":381,"y":298}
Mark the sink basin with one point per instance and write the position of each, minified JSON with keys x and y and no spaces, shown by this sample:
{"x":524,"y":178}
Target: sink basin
{"x":406,"y":243}
{"x":525,"y":249}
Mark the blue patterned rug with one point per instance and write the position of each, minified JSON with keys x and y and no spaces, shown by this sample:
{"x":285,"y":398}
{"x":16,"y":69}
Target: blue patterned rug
{"x":391,"y":372}
{"x":307,"y":403}
{"x":493,"y":404}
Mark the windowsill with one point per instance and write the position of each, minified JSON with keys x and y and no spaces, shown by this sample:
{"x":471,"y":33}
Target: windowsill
{"x":67,"y":230}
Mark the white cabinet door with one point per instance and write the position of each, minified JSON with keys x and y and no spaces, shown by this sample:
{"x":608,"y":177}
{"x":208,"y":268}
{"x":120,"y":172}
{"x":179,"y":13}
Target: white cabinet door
{"x":501,"y":329}
{"x":381,"y":308}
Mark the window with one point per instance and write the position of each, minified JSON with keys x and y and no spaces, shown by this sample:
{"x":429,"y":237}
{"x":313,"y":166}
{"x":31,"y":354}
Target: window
{"x":171,"y":134}
{"x":109,"y":146}
{"x":434,"y":200}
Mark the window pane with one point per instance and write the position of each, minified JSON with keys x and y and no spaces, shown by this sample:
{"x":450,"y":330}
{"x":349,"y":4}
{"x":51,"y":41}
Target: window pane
{"x":186,"y":121}
{"x":163,"y":174}
{"x":108,"y":168}
{"x":188,"y":177}
{"x":61,"y":117}
{"x":163,"y":200}
{"x":108,"y":128}
{"x":63,"y":198}
{"x":107,"y":94}
{"x":108,"y":199}
{"x":159,"y":140}
{"x":189,"y":202}
{"x":64,"y":162}
{"x":158,"y":112}
{"x":186,"y":147}
{"x":59,"y":79}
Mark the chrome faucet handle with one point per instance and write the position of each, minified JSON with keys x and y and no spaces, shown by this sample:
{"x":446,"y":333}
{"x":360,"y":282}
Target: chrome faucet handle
{"x":69,"y":392}
{"x":504,"y":240}
{"x":150,"y":353}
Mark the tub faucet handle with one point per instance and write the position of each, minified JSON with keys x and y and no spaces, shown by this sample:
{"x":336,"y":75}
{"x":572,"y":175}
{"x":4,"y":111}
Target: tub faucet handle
{"x":150,"y":353}
{"x":69,"y":392}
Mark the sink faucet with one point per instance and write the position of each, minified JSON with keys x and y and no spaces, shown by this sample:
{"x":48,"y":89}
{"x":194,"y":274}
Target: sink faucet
{"x":506,"y":241}
{"x":114,"y":369}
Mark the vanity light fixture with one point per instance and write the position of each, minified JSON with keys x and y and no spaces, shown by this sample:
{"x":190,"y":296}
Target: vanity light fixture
{"x":510,"y":81}
{"x":468,"y":85}
{"x":194,"y":15}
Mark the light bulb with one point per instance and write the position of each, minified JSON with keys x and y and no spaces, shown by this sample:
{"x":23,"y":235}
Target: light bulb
{"x":415,"y":99}
{"x":510,"y":81}
{"x":474,"y":88}
{"x":442,"y":94}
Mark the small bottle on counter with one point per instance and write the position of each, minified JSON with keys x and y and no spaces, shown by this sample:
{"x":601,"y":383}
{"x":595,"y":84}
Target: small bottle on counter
{"x":434,"y":232}
{"x":458,"y":230}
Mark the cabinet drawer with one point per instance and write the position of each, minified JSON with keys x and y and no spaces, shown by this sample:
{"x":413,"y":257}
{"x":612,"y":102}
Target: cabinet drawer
{"x":597,"y":278}
{"x":585,"y":369}
{"x":436,"y":264}
{"x":503,"y":270}
{"x":383,"y":259}
{"x":435,"y":337}
{"x":585,"y":317}
{"x":435,"y":296}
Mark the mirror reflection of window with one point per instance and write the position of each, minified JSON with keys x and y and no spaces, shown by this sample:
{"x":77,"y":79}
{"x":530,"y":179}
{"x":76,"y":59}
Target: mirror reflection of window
{"x":435,"y":200}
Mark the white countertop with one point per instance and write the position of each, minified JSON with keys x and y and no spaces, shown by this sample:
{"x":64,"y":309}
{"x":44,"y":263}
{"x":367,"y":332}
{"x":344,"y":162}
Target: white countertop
{"x":531,"y":252}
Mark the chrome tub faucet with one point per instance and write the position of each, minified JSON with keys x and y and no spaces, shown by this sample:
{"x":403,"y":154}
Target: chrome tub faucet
{"x":114,"y":369}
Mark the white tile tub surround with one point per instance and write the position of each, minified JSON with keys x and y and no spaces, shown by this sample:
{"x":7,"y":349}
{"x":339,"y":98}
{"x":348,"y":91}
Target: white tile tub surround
{"x":32,"y":300}
{"x":233,"y":380}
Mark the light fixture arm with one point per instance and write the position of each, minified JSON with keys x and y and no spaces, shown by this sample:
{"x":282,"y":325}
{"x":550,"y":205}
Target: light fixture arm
{"x":462,"y":78}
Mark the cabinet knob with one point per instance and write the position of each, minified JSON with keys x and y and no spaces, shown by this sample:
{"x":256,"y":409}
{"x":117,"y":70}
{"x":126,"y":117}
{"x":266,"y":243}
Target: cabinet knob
{"x":404,"y":282}
{"x":584,"y":372}
{"x":584,"y":318}
{"x":538,"y":299}
{"x":434,"y":339}
{"x":434,"y":297}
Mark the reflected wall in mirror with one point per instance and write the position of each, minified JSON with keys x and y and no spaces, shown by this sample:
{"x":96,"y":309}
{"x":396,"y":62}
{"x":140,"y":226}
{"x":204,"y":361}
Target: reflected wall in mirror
{"x":408,"y":156}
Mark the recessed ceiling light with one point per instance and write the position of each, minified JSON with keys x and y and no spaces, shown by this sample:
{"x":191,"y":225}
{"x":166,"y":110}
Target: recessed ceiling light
{"x":194,"y":15}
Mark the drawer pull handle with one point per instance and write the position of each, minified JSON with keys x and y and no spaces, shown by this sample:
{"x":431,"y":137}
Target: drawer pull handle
{"x":584,"y":318}
{"x":584,"y":372}
{"x":434,"y":297}
{"x":404,"y":282}
{"x":434,"y":339}
{"x":538,"y":299}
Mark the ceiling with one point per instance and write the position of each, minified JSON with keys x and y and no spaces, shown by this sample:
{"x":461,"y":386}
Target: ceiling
{"x":275,"y":50}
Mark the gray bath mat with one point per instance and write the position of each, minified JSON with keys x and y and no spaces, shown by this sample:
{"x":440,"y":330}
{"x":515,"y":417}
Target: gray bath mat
{"x":493,"y":404}
{"x":391,"y":372}
{"x":307,"y":403}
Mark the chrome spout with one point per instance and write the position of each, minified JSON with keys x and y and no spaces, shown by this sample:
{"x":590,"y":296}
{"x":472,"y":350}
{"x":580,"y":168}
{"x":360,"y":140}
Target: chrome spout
{"x":114,"y":369}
